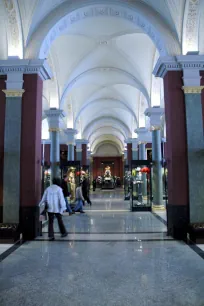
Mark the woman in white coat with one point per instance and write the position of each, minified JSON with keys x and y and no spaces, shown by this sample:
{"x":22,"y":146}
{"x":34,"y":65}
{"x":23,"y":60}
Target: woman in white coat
{"x":54,"y":199}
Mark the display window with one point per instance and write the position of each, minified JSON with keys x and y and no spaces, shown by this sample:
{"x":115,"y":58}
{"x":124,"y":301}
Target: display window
{"x":141,"y":186}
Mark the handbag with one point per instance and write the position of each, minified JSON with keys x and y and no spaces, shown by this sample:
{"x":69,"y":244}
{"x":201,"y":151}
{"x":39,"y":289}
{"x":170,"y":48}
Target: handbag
{"x":43,"y":213}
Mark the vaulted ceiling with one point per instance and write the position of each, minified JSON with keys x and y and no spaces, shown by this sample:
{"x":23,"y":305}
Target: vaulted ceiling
{"x":102,"y":54}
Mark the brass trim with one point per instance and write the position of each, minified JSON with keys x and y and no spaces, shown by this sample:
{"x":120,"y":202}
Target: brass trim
{"x":158,"y":207}
{"x":13,"y":93}
{"x":54,"y":130}
{"x":155,"y":128}
{"x":192,"y":89}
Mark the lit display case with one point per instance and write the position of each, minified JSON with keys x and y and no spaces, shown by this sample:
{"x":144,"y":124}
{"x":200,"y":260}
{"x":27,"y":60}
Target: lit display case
{"x":45,"y":176}
{"x":73,"y":170}
{"x":127,"y":182}
{"x":141,"y":186}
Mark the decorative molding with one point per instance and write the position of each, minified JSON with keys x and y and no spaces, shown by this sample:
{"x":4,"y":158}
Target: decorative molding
{"x":35,"y":66}
{"x":12,"y":93}
{"x":192,"y":89}
{"x":13,"y":32}
{"x":191,"y":26}
{"x":178,"y":63}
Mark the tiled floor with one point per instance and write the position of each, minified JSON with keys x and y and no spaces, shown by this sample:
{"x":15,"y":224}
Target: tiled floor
{"x":4,"y":247}
{"x":111,"y":257}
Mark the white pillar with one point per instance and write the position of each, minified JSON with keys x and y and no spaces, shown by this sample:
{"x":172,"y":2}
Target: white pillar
{"x":155,"y":114}
{"x":70,"y":133}
{"x":54,"y":117}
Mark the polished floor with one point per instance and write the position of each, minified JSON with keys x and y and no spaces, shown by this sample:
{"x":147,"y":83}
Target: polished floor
{"x":111,"y":257}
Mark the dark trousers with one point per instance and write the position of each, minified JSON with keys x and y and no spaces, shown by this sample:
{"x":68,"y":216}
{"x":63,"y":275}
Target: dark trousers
{"x":51,"y":217}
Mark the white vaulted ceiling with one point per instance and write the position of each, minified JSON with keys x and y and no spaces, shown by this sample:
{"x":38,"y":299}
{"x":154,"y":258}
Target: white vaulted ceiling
{"x":101,"y":53}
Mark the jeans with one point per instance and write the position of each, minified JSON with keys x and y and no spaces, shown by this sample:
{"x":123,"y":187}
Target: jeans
{"x":79,"y":205}
{"x":50,"y":224}
{"x":67,"y":205}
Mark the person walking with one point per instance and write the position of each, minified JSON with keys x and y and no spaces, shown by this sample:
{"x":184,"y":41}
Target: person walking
{"x":79,"y":199}
{"x":66,"y":194}
{"x":55,"y":203}
{"x":85,"y":191}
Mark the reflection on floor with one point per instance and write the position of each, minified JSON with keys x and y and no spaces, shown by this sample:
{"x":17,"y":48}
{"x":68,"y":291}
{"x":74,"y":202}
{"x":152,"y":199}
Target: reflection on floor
{"x":111,"y":258}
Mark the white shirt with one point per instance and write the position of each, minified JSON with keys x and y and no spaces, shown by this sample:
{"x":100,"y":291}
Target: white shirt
{"x":54,"y":197}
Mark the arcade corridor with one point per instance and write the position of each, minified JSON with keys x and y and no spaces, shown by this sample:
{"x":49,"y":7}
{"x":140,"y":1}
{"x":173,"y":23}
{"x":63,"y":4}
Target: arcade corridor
{"x":111,"y":257}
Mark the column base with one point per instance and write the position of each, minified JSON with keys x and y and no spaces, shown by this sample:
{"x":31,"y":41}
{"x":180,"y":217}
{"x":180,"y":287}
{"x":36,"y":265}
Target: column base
{"x":158,"y":207}
{"x":177,"y":221}
{"x":29,"y":222}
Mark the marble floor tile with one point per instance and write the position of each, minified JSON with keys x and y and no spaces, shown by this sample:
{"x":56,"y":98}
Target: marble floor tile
{"x":111,"y":257}
{"x":4,"y":247}
{"x":159,"y":273}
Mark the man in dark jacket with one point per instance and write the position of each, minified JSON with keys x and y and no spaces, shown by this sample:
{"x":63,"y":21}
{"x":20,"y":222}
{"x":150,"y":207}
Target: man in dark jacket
{"x":66,"y":194}
{"x":85,"y":191}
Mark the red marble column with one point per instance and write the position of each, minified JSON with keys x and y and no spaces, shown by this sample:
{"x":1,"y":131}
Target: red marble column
{"x":2,"y":125}
{"x":129,"y":153}
{"x":84,"y":154}
{"x":30,"y":185}
{"x":176,"y":155}
{"x":202,"y":93}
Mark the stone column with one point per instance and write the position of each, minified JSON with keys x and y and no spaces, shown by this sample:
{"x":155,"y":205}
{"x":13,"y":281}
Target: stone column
{"x":125,"y":158}
{"x":54,"y":116}
{"x":135,"y":149}
{"x":88,"y":157}
{"x":155,"y":114}
{"x":170,"y":70}
{"x":129,"y":150}
{"x":12,"y":147}
{"x":22,"y":142}
{"x":78,"y":150}
{"x":81,"y":151}
{"x":195,"y":142}
{"x":70,"y":142}
{"x":2,"y":125}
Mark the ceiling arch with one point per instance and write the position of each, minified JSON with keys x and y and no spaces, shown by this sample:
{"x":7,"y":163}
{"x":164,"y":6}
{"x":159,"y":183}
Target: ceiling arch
{"x":139,"y":14}
{"x":102,"y":121}
{"x":114,"y":76}
{"x":99,"y":131}
{"x":105,"y":139}
{"x":111,"y":101}
{"x":107,"y":148}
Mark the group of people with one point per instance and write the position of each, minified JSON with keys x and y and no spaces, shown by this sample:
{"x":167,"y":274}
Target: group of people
{"x":56,"y":201}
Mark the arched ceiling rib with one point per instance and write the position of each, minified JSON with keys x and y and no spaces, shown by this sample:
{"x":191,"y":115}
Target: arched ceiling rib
{"x":103,"y":122}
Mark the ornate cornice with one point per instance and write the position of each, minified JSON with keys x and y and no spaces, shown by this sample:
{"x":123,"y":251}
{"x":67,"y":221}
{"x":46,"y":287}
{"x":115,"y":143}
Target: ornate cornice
{"x":178,"y":63}
{"x":12,"y":93}
{"x":37,"y":66}
{"x":192,"y":89}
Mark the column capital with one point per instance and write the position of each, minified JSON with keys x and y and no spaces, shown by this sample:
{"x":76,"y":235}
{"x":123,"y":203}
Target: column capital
{"x":154,"y":113}
{"x":192,"y":89}
{"x":14,"y":93}
{"x":26,"y":66}
{"x":70,"y":133}
{"x":191,"y":61}
{"x":144,"y":135}
{"x":54,"y":115}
